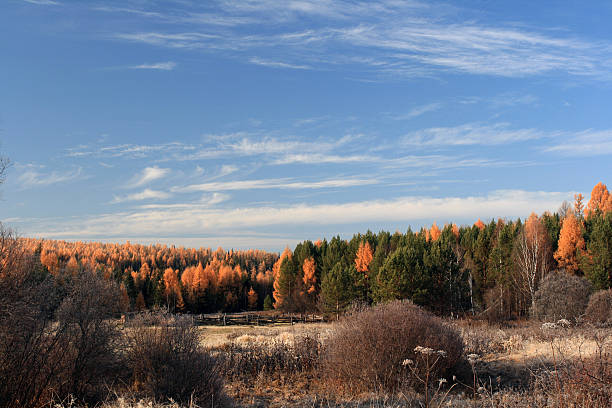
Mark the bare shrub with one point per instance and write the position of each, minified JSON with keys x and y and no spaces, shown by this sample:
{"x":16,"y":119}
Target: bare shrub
{"x":561,"y":296}
{"x":167,"y":361}
{"x":28,"y":343}
{"x":55,"y":340}
{"x":599,"y":309}
{"x":368,"y":347}
{"x":90,"y":337}
{"x":248,"y":361}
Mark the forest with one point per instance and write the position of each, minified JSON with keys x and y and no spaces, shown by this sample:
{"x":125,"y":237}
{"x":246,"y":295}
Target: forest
{"x":491,"y":269}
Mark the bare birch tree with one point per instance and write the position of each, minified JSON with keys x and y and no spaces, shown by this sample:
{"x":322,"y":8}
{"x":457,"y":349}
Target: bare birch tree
{"x":532,"y":257}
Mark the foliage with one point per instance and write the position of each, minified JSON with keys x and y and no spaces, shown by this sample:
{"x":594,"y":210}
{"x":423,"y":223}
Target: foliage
{"x":561,"y":296}
{"x":596,"y":262}
{"x":492,"y":269}
{"x":570,"y":243}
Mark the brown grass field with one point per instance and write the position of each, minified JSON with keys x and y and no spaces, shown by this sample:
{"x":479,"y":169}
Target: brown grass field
{"x":521,"y":365}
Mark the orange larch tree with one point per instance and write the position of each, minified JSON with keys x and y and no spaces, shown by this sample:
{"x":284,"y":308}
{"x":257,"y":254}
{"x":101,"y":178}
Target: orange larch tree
{"x":455,"y":230}
{"x":363,"y":258}
{"x":480,"y":224}
{"x":600,"y":200}
{"x":570,"y":242}
{"x":309,"y":278}
{"x":434,"y":232}
{"x":277,"y":293}
{"x":252,"y":298}
{"x":578,"y":205}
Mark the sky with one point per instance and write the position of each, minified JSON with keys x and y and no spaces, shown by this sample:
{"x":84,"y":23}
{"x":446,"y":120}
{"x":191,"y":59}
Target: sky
{"x":259,"y":124}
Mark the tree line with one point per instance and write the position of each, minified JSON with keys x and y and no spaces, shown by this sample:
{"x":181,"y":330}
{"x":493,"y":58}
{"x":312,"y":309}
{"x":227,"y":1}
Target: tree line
{"x":493,"y":268}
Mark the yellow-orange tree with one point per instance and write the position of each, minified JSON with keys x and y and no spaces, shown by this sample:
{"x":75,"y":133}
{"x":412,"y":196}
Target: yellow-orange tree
{"x":570,"y":243}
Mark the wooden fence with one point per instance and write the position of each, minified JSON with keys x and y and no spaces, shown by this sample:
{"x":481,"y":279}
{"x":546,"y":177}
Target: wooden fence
{"x":254,"y":319}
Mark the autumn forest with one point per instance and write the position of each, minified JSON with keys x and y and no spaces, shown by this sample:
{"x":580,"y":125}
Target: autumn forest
{"x":487,"y":268}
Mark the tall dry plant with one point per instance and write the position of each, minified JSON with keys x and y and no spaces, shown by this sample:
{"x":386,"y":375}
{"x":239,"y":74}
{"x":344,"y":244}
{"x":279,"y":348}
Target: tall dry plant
{"x":167,"y":360}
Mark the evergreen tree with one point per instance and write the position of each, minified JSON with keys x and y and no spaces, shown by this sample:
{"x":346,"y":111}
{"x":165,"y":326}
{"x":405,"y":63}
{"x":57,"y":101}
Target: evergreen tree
{"x":338,"y":288}
{"x":267,"y":304}
{"x":597,"y":261}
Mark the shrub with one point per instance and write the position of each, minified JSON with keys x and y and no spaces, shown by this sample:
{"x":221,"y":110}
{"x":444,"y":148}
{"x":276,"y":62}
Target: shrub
{"x":248,"y":361}
{"x":368,"y":347}
{"x":167,"y":361}
{"x":55,"y":340}
{"x":90,"y":337}
{"x":599,"y":309}
{"x":561,"y":296}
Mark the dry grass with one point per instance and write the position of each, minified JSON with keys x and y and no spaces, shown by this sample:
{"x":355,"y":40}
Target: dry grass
{"x":219,"y":336}
{"x":520,"y":366}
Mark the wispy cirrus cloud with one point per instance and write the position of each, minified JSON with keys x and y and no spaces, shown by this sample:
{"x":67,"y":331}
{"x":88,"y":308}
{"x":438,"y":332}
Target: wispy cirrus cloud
{"x":181,"y":40}
{"x":585,"y":143}
{"x":128,"y":150}
{"x":148,"y":175}
{"x":276,"y":64}
{"x":190,"y":220}
{"x":274,"y":184}
{"x":318,"y":158}
{"x":472,"y":134}
{"x":401,"y":39}
{"x":146,"y":194}
{"x":36,"y":176}
{"x":43,"y":2}
{"x":419,"y":110}
{"x":160,"y":66}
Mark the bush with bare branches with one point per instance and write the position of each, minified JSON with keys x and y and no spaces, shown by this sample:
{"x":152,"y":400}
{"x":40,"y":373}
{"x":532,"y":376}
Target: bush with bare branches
{"x":368,"y":347}
{"x":599,"y":309}
{"x":561,"y":296}
{"x":167,"y":361}
{"x":55,"y":339}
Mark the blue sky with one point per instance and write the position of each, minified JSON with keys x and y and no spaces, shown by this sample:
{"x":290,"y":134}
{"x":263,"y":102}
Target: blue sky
{"x":264,"y":123}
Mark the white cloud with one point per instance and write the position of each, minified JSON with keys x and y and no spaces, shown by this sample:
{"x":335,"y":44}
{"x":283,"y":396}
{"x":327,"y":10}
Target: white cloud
{"x":162,"y":66}
{"x":394,"y":38}
{"x":129,"y":150}
{"x":34,"y":177}
{"x":586,"y":143}
{"x":276,"y":64}
{"x":180,"y":40}
{"x":191,"y":220}
{"x":315,"y":158}
{"x":43,"y":2}
{"x":472,"y":134}
{"x":420,"y":110}
{"x":146,"y":194}
{"x":273,"y":184}
{"x":148,"y":175}
{"x":227,"y":169}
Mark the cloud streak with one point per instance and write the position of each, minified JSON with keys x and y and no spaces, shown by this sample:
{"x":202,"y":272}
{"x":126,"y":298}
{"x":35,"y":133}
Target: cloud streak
{"x":189,"y":220}
{"x":404,"y":39}
{"x":146,"y":194}
{"x":158,"y":66}
{"x":586,"y":143}
{"x":472,"y":134}
{"x":33,"y":177}
{"x":148,"y":175}
{"x":282,"y":184}
{"x":276,"y":64}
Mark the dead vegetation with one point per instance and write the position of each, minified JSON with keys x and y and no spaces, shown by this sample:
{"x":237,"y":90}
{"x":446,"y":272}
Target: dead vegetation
{"x":63,"y":345}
